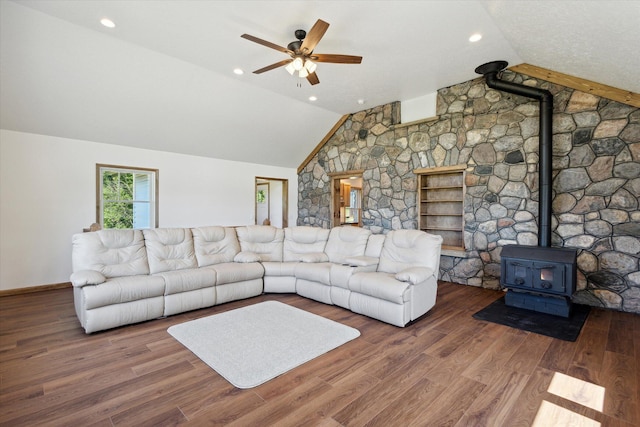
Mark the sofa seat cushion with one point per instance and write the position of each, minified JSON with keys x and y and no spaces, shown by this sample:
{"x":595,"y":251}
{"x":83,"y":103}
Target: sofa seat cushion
{"x":383,"y":286}
{"x":314,"y":272}
{"x":280,"y":268}
{"x":187,"y":280}
{"x":230,"y":272}
{"x":122,"y":289}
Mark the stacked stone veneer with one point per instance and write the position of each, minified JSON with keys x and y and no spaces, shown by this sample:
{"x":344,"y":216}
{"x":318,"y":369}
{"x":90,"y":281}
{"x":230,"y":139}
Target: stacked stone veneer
{"x":596,"y":180}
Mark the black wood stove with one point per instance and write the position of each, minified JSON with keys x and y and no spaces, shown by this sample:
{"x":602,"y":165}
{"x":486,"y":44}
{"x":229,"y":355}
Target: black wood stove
{"x":539,"y":278}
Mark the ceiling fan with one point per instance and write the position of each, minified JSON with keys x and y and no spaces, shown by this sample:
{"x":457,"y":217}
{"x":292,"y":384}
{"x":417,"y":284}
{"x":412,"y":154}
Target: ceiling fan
{"x":303,"y":59}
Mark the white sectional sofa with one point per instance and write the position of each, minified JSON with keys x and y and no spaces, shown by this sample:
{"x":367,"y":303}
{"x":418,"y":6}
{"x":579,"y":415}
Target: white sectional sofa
{"x":122,"y":277}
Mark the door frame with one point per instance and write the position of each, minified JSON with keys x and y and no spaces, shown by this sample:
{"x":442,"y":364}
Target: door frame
{"x":285,"y":198}
{"x":334,"y":207}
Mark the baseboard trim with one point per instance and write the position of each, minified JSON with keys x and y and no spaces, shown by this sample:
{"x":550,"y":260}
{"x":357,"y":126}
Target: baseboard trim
{"x":33,"y":289}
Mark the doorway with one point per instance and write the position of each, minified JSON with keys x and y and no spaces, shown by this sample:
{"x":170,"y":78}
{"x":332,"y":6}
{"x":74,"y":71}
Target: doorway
{"x":271,"y":206}
{"x":346,"y":199}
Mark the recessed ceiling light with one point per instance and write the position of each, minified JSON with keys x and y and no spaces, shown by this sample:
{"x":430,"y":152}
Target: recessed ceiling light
{"x":238,"y":71}
{"x":107,"y":23}
{"x":313,"y":98}
{"x":475,"y":37}
{"x":361,"y":101}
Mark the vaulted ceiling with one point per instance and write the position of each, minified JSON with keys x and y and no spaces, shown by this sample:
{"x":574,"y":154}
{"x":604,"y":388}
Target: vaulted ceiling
{"x":163,"y":77}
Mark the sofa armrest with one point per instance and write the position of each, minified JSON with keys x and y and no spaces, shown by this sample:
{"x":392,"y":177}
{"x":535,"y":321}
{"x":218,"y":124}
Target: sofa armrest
{"x":314,"y":257}
{"x":246,"y":257}
{"x":361,"y":261}
{"x":414,"y":275}
{"x":87,"y":277}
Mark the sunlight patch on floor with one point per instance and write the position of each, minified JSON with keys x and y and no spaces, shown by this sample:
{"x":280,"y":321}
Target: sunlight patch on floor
{"x":578,"y":391}
{"x":554,"y":415}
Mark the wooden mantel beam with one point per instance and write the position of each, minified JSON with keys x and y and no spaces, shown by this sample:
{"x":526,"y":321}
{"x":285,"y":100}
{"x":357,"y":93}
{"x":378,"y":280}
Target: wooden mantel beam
{"x":598,"y":89}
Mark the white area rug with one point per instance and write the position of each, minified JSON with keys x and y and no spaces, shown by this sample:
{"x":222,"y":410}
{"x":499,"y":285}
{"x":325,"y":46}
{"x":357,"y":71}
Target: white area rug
{"x":251,"y":345}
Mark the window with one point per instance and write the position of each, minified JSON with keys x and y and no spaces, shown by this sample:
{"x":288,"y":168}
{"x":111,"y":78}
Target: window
{"x":126,"y":197}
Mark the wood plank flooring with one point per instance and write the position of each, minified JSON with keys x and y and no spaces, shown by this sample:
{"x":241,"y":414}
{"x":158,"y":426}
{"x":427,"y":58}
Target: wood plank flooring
{"x":446,"y":369}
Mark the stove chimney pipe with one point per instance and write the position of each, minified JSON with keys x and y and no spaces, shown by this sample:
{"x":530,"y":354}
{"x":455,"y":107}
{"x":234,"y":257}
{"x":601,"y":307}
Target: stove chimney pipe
{"x":490,"y":71}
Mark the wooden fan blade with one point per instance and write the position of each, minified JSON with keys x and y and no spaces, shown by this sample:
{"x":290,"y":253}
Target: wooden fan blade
{"x":313,"y":79}
{"x":272,"y":66}
{"x":336,"y":59}
{"x":313,"y":36}
{"x":267,"y":44}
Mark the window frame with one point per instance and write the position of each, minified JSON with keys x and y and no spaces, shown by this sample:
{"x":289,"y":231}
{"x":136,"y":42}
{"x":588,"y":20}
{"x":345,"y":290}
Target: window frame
{"x":155,"y":178}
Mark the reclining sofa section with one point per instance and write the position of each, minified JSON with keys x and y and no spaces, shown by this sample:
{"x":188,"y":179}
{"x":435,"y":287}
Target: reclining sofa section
{"x":122,"y":277}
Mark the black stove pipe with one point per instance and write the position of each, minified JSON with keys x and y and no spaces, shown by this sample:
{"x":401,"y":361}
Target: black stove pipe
{"x":490,"y":71}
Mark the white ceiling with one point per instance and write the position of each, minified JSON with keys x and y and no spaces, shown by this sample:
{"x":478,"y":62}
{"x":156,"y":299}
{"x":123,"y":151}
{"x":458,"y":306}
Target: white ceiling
{"x":162,"y":79}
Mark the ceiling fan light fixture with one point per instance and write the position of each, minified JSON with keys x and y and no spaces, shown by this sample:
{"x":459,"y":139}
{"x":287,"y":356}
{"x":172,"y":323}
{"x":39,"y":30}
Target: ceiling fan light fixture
{"x":290,"y":68}
{"x":310,"y":66}
{"x":298,"y":63}
{"x":303,"y":73}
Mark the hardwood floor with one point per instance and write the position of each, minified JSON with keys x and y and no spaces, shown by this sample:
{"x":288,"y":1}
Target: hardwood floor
{"x":446,"y":369}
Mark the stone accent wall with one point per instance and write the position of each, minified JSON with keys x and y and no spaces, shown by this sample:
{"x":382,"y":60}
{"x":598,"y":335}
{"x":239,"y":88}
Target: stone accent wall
{"x":596,"y":180}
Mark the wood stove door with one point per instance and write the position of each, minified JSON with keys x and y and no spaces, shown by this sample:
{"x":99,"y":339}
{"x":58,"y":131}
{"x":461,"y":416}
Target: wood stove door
{"x":518,"y":274}
{"x":549,"y":277}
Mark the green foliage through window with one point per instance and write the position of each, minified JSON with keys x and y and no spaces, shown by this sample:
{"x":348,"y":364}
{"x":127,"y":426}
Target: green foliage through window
{"x":117,"y":196}
{"x":127,"y":198}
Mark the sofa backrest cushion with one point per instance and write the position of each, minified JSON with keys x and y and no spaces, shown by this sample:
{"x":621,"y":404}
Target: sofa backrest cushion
{"x":265,"y":241}
{"x":410,"y":248}
{"x":169,"y":249}
{"x":374,"y":245}
{"x":303,"y":240}
{"x":114,"y":253}
{"x":346,"y":241}
{"x":215,"y":245}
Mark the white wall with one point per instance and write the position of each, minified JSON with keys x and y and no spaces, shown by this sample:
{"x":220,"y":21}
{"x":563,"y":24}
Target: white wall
{"x":48,"y":192}
{"x":423,"y":107}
